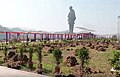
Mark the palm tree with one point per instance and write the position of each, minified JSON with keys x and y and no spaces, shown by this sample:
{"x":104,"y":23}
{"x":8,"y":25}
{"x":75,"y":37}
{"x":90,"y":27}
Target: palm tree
{"x":30,"y":50}
{"x":5,"y":49}
{"x":83,"y":55}
{"x":58,"y":56}
{"x":39,"y":52}
{"x":21,"y":49}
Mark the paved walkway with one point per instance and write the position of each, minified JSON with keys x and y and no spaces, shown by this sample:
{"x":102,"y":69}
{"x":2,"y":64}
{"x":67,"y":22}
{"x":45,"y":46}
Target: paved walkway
{"x":8,"y":72}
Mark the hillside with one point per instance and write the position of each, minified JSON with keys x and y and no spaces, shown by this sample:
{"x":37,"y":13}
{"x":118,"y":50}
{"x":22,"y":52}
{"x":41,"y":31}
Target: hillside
{"x":16,"y":29}
{"x":2,"y":36}
{"x":4,"y":28}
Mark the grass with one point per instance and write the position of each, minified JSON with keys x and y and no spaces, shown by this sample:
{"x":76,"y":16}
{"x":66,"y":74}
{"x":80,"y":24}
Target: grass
{"x":1,"y":62}
{"x":98,"y":61}
{"x":48,"y":68}
{"x":66,"y":70}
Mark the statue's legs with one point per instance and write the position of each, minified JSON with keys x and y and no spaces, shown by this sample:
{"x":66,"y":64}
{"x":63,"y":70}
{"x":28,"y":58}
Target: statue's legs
{"x":71,"y":26}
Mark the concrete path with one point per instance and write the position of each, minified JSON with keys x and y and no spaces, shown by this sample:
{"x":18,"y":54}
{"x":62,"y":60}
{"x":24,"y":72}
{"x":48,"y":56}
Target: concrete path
{"x":8,"y":72}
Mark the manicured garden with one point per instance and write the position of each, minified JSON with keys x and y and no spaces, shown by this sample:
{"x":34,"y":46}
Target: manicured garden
{"x":85,"y":58}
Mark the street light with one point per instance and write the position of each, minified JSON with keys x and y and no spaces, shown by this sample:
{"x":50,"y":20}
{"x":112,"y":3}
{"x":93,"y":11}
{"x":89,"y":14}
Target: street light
{"x":118,"y":28}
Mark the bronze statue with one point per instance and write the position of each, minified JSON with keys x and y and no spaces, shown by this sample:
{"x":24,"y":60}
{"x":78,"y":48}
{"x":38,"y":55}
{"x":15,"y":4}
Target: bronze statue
{"x":71,"y":19}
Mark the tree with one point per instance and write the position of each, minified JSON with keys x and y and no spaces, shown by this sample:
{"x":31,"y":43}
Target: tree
{"x":21,"y":49}
{"x":114,"y":38}
{"x":83,"y":55}
{"x":5,"y":49}
{"x":39,"y":52}
{"x":115,"y":62}
{"x":58,"y":56}
{"x":30,"y":50}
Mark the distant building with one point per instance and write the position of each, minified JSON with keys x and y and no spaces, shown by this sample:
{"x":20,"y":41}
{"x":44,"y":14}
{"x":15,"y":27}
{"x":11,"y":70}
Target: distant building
{"x":104,"y":36}
{"x":86,"y":35}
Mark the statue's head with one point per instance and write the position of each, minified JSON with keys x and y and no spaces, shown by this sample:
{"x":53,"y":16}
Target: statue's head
{"x":70,"y":7}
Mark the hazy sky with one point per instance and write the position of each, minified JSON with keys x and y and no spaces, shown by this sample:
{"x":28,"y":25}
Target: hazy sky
{"x":51,"y":15}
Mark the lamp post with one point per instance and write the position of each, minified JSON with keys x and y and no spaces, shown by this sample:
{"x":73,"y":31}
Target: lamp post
{"x":118,"y":29}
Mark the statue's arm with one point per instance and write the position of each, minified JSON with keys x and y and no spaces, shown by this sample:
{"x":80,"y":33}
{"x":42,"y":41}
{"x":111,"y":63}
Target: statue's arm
{"x":68,"y":14}
{"x":74,"y":16}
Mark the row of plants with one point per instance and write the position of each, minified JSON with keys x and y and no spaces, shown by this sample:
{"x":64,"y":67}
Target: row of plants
{"x":83,"y":55}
